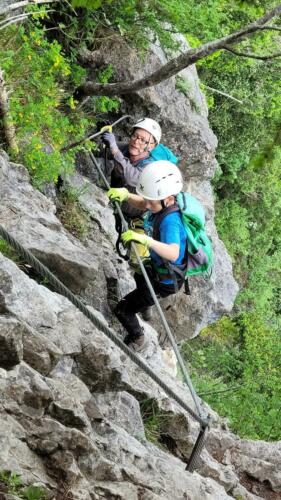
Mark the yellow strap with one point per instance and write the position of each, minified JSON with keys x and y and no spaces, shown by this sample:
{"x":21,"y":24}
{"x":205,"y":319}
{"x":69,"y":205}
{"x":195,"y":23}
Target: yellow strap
{"x":137,"y":224}
{"x":106,"y":128}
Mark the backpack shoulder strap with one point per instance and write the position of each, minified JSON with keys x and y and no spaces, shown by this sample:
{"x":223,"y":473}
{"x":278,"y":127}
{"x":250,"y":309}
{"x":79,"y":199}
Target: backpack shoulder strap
{"x":160,"y":216}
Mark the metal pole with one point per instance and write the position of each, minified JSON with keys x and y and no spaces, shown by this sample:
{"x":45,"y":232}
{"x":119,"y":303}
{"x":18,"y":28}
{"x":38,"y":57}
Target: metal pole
{"x":88,"y":138}
{"x":197,"y":448}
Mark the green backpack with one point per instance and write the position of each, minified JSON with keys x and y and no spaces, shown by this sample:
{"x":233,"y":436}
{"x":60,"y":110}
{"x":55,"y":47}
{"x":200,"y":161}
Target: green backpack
{"x":199,"y":246}
{"x":199,"y":252}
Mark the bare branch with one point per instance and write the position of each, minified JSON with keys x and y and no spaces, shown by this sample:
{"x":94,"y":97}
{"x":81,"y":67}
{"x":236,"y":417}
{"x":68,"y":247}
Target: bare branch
{"x":7,"y":122}
{"x":23,"y":3}
{"x":251,"y":56}
{"x":216,"y":91}
{"x":271,"y":27}
{"x":19,"y":16}
{"x":177,"y":64}
{"x":229,"y":389}
{"x":13,"y":21}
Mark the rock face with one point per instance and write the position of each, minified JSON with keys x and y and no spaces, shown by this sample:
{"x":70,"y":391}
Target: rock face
{"x":32,"y":217}
{"x":74,"y":406}
{"x":4,"y":5}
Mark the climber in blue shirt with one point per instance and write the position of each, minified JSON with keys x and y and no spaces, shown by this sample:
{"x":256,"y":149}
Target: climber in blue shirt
{"x":165,"y":237}
{"x":129,"y":161}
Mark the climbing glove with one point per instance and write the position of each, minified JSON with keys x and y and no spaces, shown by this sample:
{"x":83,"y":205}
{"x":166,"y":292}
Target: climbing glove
{"x":130,"y":235}
{"x":106,"y":128}
{"x":118,"y":194}
{"x":109,"y":140}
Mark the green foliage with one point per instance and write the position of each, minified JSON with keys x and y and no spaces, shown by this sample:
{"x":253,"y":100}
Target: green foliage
{"x":33,"y":493}
{"x":140,"y":21}
{"x":43,"y":109}
{"x":38,"y":73}
{"x":235,"y":366}
{"x":154,"y":421}
{"x":183,"y":85}
{"x":150,"y":415}
{"x":12,"y":480}
{"x":89,"y":4}
{"x":7,"y":251}
{"x":14,"y":486}
{"x":74,"y":219}
{"x":247,"y":184}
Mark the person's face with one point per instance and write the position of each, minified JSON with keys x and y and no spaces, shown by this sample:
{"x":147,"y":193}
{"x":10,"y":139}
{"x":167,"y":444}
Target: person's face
{"x":140,"y":142}
{"x":153,"y":205}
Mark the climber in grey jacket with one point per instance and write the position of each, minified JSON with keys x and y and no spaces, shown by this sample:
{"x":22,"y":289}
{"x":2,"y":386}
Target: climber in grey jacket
{"x":129,"y":159}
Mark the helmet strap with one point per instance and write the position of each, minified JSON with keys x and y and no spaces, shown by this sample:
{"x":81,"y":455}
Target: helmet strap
{"x":163,"y":204}
{"x":147,"y":148}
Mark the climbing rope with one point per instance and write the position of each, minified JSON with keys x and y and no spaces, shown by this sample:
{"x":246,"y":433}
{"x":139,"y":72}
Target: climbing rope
{"x":101,"y":325}
{"x":156,"y":301}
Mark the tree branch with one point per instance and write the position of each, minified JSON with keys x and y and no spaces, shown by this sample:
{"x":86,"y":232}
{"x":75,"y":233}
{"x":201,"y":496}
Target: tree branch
{"x":16,"y":19}
{"x":19,"y":16}
{"x":177,"y":64}
{"x":13,"y":20}
{"x":251,"y":56}
{"x":216,"y":91}
{"x":271,"y":27}
{"x":17,"y":5}
{"x":229,"y":389}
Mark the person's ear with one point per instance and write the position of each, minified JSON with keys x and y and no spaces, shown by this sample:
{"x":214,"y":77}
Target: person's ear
{"x":170,"y":200}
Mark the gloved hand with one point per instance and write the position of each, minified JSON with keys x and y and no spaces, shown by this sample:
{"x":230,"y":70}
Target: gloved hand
{"x":118,"y":194}
{"x":131,"y":235}
{"x":106,"y":128}
{"x":109,"y":140}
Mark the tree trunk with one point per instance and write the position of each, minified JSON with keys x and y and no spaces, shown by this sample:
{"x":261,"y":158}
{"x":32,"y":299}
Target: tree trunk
{"x":5,"y":116}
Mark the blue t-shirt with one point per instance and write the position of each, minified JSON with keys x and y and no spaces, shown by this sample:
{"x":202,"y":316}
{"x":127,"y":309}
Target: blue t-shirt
{"x":171,"y":231}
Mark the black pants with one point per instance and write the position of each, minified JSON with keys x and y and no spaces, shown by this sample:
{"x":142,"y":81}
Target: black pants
{"x":139,"y":299}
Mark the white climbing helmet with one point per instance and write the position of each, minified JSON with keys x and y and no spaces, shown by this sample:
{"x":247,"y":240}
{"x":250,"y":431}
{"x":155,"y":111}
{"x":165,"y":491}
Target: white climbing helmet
{"x":159,"y":180}
{"x":150,"y":126}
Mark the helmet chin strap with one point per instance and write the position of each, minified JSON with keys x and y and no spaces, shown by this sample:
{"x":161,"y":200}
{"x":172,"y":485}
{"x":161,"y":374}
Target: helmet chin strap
{"x":147,"y":145}
{"x":167,"y":204}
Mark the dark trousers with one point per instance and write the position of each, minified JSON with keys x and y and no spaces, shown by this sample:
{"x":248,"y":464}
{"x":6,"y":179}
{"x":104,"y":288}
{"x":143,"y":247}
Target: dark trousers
{"x":140,"y":299}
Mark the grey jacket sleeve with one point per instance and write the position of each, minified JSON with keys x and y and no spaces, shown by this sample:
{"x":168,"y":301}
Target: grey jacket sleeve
{"x":131,"y":173}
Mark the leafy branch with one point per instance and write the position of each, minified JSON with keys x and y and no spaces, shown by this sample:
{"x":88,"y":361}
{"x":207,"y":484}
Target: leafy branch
{"x":180,"y":62}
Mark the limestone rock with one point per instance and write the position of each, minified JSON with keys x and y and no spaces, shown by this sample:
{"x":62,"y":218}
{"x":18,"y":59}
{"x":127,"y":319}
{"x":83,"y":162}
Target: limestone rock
{"x":123,"y":409}
{"x":259,"y":460}
{"x":30,"y":217}
{"x":11,"y":346}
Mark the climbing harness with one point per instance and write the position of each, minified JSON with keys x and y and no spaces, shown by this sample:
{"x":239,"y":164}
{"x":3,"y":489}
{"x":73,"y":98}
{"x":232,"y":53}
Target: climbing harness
{"x":102,"y":326}
{"x":119,"y":229}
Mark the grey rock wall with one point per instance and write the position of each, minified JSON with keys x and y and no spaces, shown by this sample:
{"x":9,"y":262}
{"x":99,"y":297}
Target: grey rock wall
{"x":70,"y":418}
